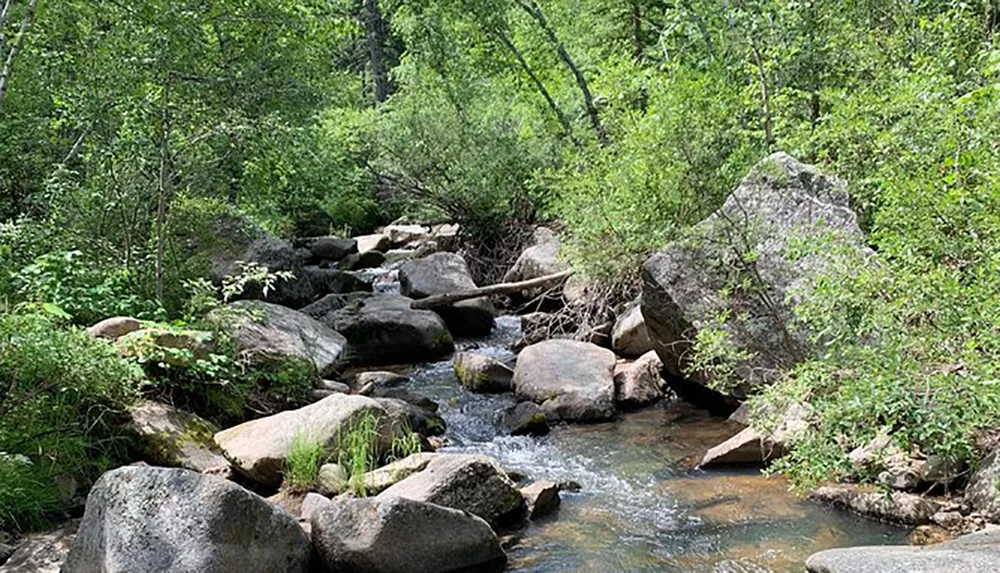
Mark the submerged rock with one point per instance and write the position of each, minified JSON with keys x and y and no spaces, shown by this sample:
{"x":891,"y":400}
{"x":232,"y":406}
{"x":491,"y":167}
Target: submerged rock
{"x":470,"y":483}
{"x":258,"y":448}
{"x":383,"y":329}
{"x":974,"y":553}
{"x":481,"y":373}
{"x":170,"y":437}
{"x":178,"y":521}
{"x":42,"y":553}
{"x":267,"y":333}
{"x":781,"y":202}
{"x":444,"y":273}
{"x":572,"y":381}
{"x":398,"y":535}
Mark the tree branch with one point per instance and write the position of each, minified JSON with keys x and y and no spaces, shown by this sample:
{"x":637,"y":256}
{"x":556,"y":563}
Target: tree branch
{"x":18,"y":44}
{"x":502,"y":288}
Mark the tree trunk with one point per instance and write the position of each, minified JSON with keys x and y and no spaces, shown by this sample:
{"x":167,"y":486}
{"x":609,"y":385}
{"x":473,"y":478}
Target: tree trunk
{"x":563,"y":120}
{"x":638,"y":45}
{"x":535,"y":12}
{"x":502,"y":288}
{"x":8,"y":65}
{"x":765,"y":97}
{"x":162,"y":193}
{"x":375,"y":36}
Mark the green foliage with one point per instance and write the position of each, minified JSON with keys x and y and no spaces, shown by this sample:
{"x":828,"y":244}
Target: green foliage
{"x":303,"y":462}
{"x":61,"y":395}
{"x":358,"y":452}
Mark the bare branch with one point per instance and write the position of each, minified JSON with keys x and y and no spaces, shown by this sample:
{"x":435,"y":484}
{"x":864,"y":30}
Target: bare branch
{"x":18,"y":44}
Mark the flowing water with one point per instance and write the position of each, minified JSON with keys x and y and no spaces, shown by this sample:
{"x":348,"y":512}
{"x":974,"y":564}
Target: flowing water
{"x":640,"y":509}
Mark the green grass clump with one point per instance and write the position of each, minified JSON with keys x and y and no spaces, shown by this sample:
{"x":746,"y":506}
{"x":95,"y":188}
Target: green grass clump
{"x":303,"y":462}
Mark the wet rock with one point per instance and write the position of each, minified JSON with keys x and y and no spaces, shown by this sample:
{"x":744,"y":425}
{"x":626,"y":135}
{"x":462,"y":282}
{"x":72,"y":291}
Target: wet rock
{"x":897,"y":507}
{"x":638,"y":383}
{"x":115,"y":327}
{"x":404,"y":395}
{"x":266,"y":334}
{"x":750,"y":447}
{"x":43,"y":553}
{"x":331,"y":479}
{"x":471,"y":483}
{"x":412,"y":418}
{"x":629,"y":337}
{"x":779,"y":202}
{"x":541,"y":498}
{"x":178,"y":521}
{"x":176,"y":347}
{"x":331,"y":248}
{"x":526,"y":418}
{"x":444,"y":273}
{"x":539,"y":260}
{"x":170,"y":437}
{"x":570,"y":486}
{"x":368,"y":243}
{"x":397,"y":535}
{"x":383,"y":329}
{"x":258,"y":448}
{"x":974,"y":553}
{"x":482,"y":374}
{"x":572,"y":381}
{"x":381,"y":479}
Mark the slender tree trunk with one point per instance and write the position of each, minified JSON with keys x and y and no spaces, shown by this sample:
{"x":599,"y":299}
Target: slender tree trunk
{"x":765,"y":97}
{"x":563,"y":120}
{"x":8,"y":65}
{"x":375,"y":35}
{"x":162,"y":193}
{"x":638,"y":44}
{"x":535,"y":12}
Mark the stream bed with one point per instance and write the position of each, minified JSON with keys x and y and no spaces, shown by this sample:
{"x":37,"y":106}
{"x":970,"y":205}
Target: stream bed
{"x":640,"y":508}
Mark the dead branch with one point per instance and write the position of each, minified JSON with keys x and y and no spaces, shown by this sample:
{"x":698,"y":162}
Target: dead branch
{"x":502,"y":288}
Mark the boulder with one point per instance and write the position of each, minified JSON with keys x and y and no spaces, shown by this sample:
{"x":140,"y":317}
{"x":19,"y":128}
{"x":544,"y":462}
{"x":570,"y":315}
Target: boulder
{"x":410,"y":417}
{"x":178,"y":521}
{"x":373,"y":243}
{"x":750,"y":447}
{"x":482,"y":374}
{"x":572,"y":381}
{"x":331,"y":248}
{"x":526,"y":418}
{"x":115,"y":327}
{"x":170,"y":437}
{"x":541,"y":498}
{"x":405,"y":395}
{"x":42,"y":553}
{"x":335,"y":281}
{"x":629,"y":336}
{"x":266,"y":333}
{"x":539,"y":260}
{"x":443,"y":273}
{"x":638,"y":383}
{"x":174,"y":347}
{"x":974,"y":553}
{"x":402,"y":235}
{"x":398,"y":535}
{"x":381,"y":479}
{"x":779,"y":204}
{"x":383,"y":329}
{"x":333,"y":386}
{"x":258,"y":448}
{"x":361,"y":261}
{"x":379,"y":378}
{"x":331,"y":479}
{"x":896,"y":507}
{"x":277,"y":255}
{"x":471,"y":483}
{"x":981,"y":491}
{"x":899,"y":470}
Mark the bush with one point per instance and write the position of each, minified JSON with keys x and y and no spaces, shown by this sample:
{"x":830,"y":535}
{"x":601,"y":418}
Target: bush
{"x":61,"y":395}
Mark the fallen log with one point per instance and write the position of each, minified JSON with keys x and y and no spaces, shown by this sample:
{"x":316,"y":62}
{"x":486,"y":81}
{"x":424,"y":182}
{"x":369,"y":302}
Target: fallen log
{"x":501,"y":288}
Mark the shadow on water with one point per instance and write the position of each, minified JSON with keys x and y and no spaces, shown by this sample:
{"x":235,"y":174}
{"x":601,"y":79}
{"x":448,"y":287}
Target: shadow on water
{"x":640,"y":509}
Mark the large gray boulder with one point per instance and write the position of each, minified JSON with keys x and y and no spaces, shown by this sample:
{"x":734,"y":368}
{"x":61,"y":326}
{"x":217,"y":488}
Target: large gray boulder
{"x":383,"y":329}
{"x":638,"y":383}
{"x":335,"y":281}
{"x":277,"y":255}
{"x":115,"y":327}
{"x":373,"y":243}
{"x":331,"y":248}
{"x":743,"y":250}
{"x":42,"y":553}
{"x":398,"y":535}
{"x":981,"y":492}
{"x":471,"y":483}
{"x":170,"y":437}
{"x":539,"y":260}
{"x":267,"y":333}
{"x":974,"y":553}
{"x":258,"y":448}
{"x":481,"y":373}
{"x":443,"y":273}
{"x":178,"y":521}
{"x":571,"y":380}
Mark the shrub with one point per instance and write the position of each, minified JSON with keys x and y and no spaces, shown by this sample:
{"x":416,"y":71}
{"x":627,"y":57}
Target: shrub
{"x":61,"y":394}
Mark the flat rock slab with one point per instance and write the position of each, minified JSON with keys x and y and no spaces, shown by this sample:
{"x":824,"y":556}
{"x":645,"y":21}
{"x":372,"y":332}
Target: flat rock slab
{"x":572,"y":381}
{"x":170,"y":437}
{"x":897,"y":507}
{"x":974,"y":553}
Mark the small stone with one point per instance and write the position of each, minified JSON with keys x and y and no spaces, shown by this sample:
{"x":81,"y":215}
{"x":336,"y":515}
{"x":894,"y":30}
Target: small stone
{"x":332,"y":479}
{"x":541,"y":498}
